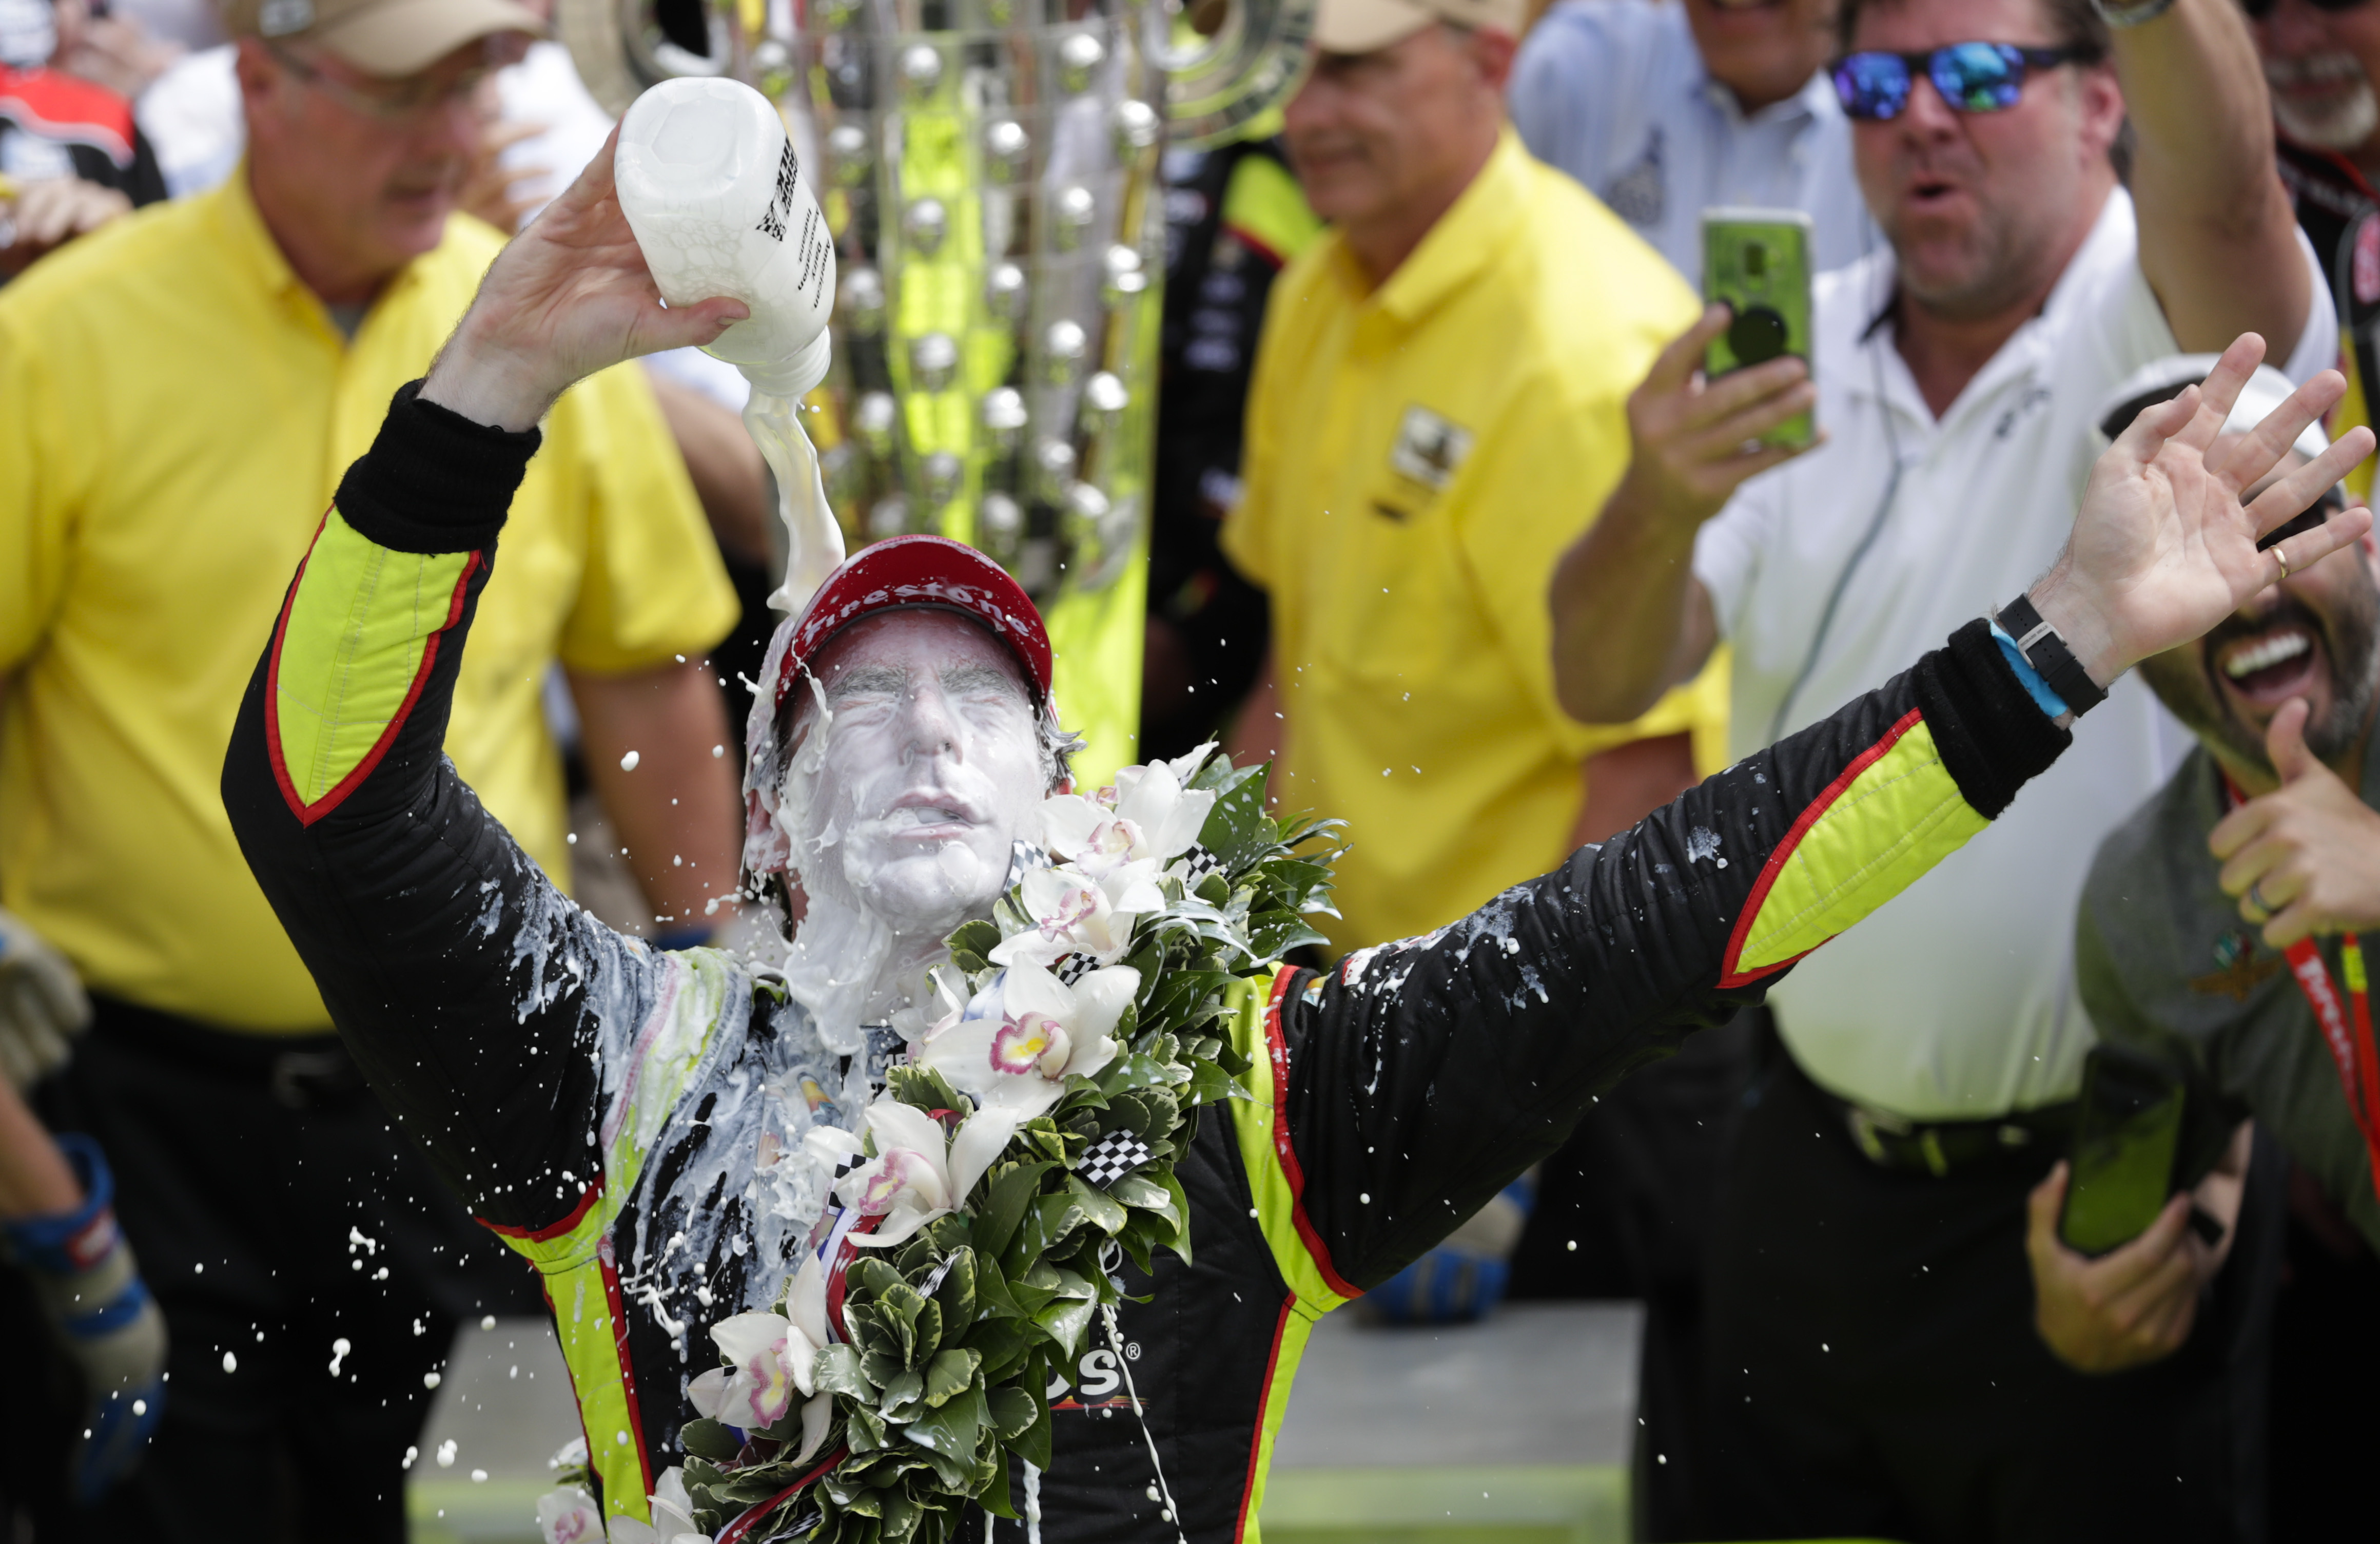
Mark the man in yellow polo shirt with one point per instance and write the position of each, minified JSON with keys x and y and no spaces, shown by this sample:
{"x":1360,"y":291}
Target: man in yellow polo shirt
{"x":1439,"y":401}
{"x":1439,"y":404}
{"x":182,"y":392}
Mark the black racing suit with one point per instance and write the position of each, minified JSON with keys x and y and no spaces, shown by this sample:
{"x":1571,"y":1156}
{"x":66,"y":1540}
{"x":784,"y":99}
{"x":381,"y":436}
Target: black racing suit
{"x":615,"y":1112}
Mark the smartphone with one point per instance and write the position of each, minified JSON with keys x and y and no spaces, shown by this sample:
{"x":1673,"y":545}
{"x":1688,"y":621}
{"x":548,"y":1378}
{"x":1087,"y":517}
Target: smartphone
{"x":2126,"y":1136}
{"x":1756,"y":262}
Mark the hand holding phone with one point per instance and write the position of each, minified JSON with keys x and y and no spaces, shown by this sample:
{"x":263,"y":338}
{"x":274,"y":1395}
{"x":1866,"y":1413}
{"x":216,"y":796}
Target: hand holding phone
{"x":2126,"y":1136}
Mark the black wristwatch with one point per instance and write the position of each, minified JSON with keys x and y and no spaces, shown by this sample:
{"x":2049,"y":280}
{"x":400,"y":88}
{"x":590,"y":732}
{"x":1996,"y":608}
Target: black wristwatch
{"x":2045,"y":649}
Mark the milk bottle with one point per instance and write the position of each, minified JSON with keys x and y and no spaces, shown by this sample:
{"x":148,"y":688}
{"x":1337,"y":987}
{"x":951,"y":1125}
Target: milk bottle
{"x":715,"y":194}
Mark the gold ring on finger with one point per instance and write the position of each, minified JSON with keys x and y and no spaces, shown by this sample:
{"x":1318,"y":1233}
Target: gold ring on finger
{"x":2284,"y":558}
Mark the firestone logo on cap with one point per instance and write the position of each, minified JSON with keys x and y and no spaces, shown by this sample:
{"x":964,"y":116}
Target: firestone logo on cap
{"x":279,"y":19}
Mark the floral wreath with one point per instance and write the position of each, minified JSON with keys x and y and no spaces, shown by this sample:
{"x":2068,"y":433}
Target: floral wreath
{"x":1028,"y":1139}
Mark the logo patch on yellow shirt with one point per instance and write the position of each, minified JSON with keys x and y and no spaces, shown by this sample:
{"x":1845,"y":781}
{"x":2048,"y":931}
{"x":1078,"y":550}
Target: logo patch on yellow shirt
{"x":1429,"y":449}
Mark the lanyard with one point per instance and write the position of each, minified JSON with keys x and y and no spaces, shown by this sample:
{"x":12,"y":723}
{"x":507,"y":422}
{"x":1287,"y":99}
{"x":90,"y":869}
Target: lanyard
{"x":2359,"y":1072}
{"x":2346,"y":1027}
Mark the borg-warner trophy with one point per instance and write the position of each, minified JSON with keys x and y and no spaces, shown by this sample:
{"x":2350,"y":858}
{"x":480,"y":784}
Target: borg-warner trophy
{"x":991,"y":173}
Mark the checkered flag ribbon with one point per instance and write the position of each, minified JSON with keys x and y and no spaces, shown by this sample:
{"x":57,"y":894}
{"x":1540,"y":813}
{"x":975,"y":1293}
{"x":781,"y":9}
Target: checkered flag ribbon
{"x":1110,"y":1158}
{"x":1023,"y":859}
{"x":1071,"y":969}
{"x":1196,"y":864}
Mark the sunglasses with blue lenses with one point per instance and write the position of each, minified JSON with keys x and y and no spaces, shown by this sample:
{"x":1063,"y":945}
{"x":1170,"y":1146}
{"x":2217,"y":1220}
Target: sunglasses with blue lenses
{"x":1971,"y":77}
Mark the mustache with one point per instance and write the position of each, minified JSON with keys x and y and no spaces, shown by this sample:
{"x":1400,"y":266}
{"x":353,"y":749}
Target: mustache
{"x":2314,"y":70}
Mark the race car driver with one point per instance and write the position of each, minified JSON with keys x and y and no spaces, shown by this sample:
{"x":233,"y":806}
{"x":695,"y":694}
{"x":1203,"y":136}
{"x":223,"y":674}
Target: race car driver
{"x":616,"y":1112}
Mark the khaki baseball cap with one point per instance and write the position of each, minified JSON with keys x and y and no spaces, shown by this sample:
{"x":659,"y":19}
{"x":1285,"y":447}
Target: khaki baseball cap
{"x":387,"y":38}
{"x":1362,"y":26}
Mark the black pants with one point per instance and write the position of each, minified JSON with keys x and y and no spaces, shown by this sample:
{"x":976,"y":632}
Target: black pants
{"x":1874,"y":1369}
{"x":1625,"y":1211}
{"x":275,"y":1221}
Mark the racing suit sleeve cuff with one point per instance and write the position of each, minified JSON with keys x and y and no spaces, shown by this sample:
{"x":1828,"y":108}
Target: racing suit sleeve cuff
{"x":1993,"y":736}
{"x":433,"y":482}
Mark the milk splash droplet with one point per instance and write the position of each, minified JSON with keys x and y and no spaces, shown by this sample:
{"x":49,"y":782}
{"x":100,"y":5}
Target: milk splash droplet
{"x":628,"y":763}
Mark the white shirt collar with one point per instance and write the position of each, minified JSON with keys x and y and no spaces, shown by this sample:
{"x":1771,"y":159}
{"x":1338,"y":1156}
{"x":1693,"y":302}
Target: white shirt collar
{"x":1863,"y":327}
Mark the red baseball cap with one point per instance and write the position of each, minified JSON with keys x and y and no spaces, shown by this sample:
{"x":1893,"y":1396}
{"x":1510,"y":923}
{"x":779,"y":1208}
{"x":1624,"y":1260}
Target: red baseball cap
{"x":922,"y":571}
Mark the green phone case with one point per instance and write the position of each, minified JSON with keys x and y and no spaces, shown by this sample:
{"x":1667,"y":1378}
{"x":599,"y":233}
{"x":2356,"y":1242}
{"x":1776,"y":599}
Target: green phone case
{"x":1757,"y":262}
{"x":2128,"y":1129}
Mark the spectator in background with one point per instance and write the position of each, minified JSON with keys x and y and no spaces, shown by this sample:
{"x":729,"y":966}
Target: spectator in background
{"x":541,"y":127}
{"x":1873,"y":1367}
{"x":111,"y":48}
{"x":1457,"y":348}
{"x":63,"y":1264}
{"x":1233,"y":215}
{"x":2268,"y":834}
{"x":1662,"y":108}
{"x":71,"y":158}
{"x":2319,"y":61}
{"x":183,"y":395}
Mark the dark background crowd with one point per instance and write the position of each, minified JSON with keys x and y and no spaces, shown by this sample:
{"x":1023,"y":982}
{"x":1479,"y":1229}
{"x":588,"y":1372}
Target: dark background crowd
{"x":1450,"y":523}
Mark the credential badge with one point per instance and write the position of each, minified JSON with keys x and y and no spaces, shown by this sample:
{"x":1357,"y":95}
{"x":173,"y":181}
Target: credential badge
{"x":1429,"y":449}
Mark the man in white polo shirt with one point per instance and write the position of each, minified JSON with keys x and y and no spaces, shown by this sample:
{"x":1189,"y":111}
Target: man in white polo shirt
{"x":1872,"y":1368}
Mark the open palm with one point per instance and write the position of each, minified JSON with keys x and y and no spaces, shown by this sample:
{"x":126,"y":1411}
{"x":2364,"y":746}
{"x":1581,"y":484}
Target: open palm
{"x":570,"y":296}
{"x":2162,"y":547}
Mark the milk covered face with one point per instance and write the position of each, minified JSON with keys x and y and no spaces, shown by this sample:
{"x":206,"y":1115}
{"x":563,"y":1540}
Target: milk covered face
{"x":929,"y":768}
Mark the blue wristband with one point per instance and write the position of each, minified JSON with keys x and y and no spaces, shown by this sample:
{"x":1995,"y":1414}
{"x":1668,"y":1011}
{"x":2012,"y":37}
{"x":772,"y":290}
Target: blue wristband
{"x":2042,"y":698}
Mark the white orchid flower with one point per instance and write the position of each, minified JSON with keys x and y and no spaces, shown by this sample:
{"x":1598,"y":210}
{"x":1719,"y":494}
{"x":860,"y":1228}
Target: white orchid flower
{"x":1017,"y":1057}
{"x":1075,"y":913}
{"x":931,"y":1000}
{"x":768,"y":1359}
{"x":818,"y":1417}
{"x":770,"y":1356}
{"x":1189,"y":761}
{"x":672,"y":1515}
{"x":569,"y":1516}
{"x":918,"y":1174}
{"x":1148,"y":817}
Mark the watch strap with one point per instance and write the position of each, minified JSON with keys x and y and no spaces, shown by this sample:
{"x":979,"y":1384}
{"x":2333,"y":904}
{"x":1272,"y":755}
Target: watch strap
{"x":2045,"y":649}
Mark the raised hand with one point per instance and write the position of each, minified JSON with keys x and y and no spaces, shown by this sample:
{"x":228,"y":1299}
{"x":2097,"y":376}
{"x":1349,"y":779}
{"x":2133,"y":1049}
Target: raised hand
{"x":1688,"y":436}
{"x":2162,"y":547}
{"x":2306,"y":858}
{"x":569,"y":295}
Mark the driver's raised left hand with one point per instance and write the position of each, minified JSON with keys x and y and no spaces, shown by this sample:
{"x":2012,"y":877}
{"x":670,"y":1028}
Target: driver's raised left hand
{"x":2162,"y":549}
{"x":568,"y":296}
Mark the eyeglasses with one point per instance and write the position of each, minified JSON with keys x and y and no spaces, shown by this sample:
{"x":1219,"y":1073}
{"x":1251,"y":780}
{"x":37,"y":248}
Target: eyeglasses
{"x":2260,"y":9}
{"x":393,"y":102}
{"x":1971,"y":77}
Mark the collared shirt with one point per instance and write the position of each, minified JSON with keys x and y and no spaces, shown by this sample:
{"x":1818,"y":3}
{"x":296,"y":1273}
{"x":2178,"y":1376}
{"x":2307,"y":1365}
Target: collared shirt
{"x":2166,"y":965}
{"x":1614,"y":92}
{"x":180,"y":407}
{"x":1957,"y":1000}
{"x":1419,"y":454}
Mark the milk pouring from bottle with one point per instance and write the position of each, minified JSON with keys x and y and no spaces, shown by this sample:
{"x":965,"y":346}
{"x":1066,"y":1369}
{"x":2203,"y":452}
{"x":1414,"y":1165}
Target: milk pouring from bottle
{"x":715,"y":194}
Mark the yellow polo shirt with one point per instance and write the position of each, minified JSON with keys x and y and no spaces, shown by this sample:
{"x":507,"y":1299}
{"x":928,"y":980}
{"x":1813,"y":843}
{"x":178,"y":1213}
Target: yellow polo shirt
{"x":1418,"y":456}
{"x":175,"y":409}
